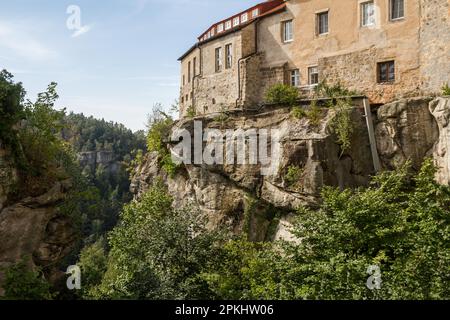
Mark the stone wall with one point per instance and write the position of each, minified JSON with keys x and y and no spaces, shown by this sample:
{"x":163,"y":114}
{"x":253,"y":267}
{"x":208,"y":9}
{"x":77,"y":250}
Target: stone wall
{"x":435,"y":44}
{"x":362,"y":77}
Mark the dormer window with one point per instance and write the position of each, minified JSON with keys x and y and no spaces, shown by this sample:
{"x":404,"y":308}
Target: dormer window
{"x":236,"y":22}
{"x":220,"y":28}
{"x":228,"y":25}
{"x":255,"y":13}
{"x":244,"y":17}
{"x":213,"y":31}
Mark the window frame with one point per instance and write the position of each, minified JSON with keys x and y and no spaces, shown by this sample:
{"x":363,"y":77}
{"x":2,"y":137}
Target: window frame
{"x":295,"y":78}
{"x":236,"y":21}
{"x":244,"y":17}
{"x":284,"y":31}
{"x":220,"y":27}
{"x":189,"y":71}
{"x":362,"y":6}
{"x":228,"y":25}
{"x":228,"y":56}
{"x":316,"y":68}
{"x":255,"y":13}
{"x":194,"y":70}
{"x":391,"y":10}
{"x":218,"y":57}
{"x":387,"y":73}
{"x":318,"y":22}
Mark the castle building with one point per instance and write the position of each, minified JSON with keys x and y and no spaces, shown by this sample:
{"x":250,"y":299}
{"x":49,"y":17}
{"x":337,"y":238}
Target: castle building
{"x":384,"y":49}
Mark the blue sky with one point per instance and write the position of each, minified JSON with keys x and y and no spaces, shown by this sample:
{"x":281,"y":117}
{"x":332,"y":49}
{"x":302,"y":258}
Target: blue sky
{"x":122,"y":61}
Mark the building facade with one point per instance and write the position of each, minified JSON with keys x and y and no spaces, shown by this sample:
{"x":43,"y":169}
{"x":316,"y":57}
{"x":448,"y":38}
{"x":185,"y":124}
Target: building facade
{"x":384,"y":49}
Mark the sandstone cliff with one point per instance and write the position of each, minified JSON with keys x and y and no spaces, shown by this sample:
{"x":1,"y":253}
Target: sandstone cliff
{"x":410,"y":129}
{"x":32,"y":228}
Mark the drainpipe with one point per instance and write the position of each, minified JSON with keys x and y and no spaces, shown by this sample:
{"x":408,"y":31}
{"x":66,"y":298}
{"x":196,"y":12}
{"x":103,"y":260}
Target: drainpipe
{"x":244,"y":58}
{"x":371,"y":131}
{"x":197,"y":76}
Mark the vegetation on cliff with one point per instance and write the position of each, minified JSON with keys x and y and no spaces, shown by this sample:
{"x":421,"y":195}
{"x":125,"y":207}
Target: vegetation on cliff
{"x":400,"y":223}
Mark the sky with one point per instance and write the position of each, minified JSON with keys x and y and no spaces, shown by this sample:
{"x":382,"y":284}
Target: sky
{"x":114,"y":62}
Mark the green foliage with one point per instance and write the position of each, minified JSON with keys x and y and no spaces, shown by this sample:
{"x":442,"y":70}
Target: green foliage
{"x":446,"y":90}
{"x":248,"y":271}
{"x":299,"y":112}
{"x":323,"y":90}
{"x":93,"y":263}
{"x":282,"y":94}
{"x":158,"y":252}
{"x":159,"y":126}
{"x":342,"y":123}
{"x":11,"y":112}
{"x":398,"y":224}
{"x":293,"y":175}
{"x":191,"y":112}
{"x":314,"y":114}
{"x":22,"y":284}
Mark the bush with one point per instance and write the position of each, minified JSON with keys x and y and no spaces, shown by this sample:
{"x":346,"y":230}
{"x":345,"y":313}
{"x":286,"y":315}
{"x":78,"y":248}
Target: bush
{"x":446,"y":90}
{"x":282,"y":94}
{"x":293,"y":175}
{"x":22,"y":284}
{"x":299,"y":112}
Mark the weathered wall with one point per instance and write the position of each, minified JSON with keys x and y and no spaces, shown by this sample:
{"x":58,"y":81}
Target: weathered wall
{"x":186,"y":89}
{"x":435,"y":44}
{"x":8,"y":175}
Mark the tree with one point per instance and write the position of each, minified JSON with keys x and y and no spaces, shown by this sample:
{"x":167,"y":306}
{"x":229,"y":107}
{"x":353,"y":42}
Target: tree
{"x":158,"y":252}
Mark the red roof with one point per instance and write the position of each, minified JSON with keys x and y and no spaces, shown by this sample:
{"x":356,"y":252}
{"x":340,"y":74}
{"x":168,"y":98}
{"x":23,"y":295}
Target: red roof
{"x":261,"y":9}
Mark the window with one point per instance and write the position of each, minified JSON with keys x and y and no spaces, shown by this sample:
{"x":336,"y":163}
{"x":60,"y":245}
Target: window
{"x":386,"y":71}
{"x":367,"y":14}
{"x":313,"y":75}
{"x":235,"y":21}
{"x":228,"y":25}
{"x":220,"y":28}
{"x":288,"y":32}
{"x":255,"y":13}
{"x":213,"y":31}
{"x":295,"y":78}
{"x":184,"y":79}
{"x":228,"y":56}
{"x":244,"y":17}
{"x":187,"y":98}
{"x":195,"y":66}
{"x":182,"y":99}
{"x":189,"y":71}
{"x":322,"y":23}
{"x":397,"y":9}
{"x":218,"y":59}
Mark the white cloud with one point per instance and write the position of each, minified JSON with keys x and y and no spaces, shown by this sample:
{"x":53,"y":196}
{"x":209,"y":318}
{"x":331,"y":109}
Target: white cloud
{"x":81,"y":31}
{"x":21,"y":43}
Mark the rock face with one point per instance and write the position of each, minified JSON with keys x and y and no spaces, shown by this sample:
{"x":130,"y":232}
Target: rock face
{"x":409,"y":129}
{"x":94,"y":159}
{"x":226,"y":192}
{"x":32,"y":228}
{"x":413,"y":129}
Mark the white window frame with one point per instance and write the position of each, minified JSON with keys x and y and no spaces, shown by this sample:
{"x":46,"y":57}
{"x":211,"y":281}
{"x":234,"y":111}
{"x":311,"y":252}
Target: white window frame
{"x":318,"y":22}
{"x":255,"y":13}
{"x":244,"y":17}
{"x":236,"y":21}
{"x":391,"y":11}
{"x":213,"y":31}
{"x":371,"y":19}
{"x":295,"y":78}
{"x":229,"y":56}
{"x":310,"y":73}
{"x":220,"y":28}
{"x":219,"y":57}
{"x":228,"y":25}
{"x":288,"y":37}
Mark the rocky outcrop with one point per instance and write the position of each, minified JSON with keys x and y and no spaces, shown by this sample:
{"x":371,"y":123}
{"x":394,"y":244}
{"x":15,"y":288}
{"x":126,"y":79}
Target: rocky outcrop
{"x":414,"y":129}
{"x":409,"y":129}
{"x":106,"y":159}
{"x":32,"y":228}
{"x":226,"y":192}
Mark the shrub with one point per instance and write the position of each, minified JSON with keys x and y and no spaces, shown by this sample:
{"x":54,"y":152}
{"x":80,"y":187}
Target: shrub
{"x":21,"y":283}
{"x":283,"y":94}
{"x":342,"y":123}
{"x":293,"y":175}
{"x":314,"y":114}
{"x":446,"y":90}
{"x":299,"y":112}
{"x":190,"y":112}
